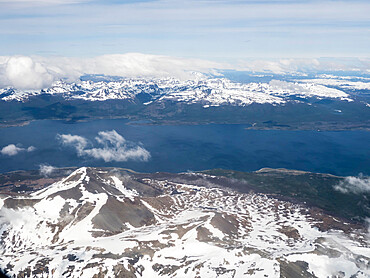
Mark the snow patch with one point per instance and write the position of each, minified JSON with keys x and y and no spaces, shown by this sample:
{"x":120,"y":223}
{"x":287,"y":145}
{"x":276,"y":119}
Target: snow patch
{"x":131,"y":194}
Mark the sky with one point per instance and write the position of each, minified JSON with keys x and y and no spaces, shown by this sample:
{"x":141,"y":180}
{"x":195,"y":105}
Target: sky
{"x":223,"y":31}
{"x":48,"y":40}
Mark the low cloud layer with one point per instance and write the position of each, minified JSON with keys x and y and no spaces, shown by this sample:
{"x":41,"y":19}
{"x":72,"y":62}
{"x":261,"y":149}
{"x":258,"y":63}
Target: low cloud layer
{"x":306,"y":65}
{"x":46,"y":169}
{"x":12,"y":150}
{"x":356,"y":185}
{"x":288,"y":86}
{"x":36,"y":72}
{"x":112,"y":147}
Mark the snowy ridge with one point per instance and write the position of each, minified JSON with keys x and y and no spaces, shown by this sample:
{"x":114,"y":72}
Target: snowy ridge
{"x":116,"y":226}
{"x":64,"y":184}
{"x":209,"y":92}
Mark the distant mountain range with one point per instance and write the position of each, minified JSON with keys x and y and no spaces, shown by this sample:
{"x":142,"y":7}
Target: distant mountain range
{"x":210,"y":92}
{"x":333,"y":101}
{"x":106,"y":222}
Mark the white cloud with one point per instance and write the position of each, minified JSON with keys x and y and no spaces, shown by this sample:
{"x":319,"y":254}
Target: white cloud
{"x":110,"y":137}
{"x":31,"y":149}
{"x":288,"y":86}
{"x":12,"y":150}
{"x":78,"y":142}
{"x":46,"y":170}
{"x":23,"y":72}
{"x":113,"y":147}
{"x":357,"y":185}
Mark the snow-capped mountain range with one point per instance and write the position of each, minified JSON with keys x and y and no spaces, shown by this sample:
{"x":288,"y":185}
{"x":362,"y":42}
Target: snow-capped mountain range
{"x":100,"y":222}
{"x":206,"y":91}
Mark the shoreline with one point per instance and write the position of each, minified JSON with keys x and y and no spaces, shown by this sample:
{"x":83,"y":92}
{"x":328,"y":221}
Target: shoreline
{"x":322,"y":126}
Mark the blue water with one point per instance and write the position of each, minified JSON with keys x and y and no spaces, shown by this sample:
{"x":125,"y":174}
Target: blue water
{"x":195,"y":147}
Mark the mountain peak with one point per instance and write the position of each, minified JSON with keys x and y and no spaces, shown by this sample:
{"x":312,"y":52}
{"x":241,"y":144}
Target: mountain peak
{"x":207,"y":91}
{"x":114,"y":223}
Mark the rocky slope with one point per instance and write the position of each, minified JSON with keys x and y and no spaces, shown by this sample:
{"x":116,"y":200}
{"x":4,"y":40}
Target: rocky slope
{"x":115,"y":223}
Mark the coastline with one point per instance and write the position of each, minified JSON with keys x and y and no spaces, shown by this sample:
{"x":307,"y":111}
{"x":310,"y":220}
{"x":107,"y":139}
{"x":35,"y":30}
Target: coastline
{"x":299,"y":126}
